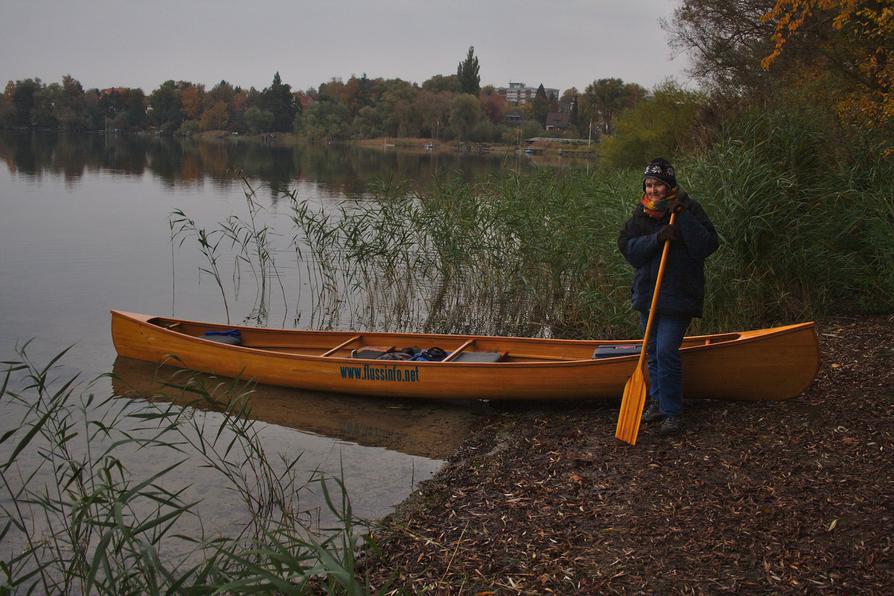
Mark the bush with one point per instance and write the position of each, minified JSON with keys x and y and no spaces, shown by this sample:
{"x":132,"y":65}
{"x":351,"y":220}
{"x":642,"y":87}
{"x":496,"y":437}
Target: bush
{"x":258,"y":120}
{"x":801,"y":235}
{"x":485,"y":132}
{"x":661,"y":125}
{"x":188,"y":128}
{"x":531,"y":128}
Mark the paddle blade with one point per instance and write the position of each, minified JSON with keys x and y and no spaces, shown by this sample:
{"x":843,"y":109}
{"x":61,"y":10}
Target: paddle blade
{"x":632,"y":407}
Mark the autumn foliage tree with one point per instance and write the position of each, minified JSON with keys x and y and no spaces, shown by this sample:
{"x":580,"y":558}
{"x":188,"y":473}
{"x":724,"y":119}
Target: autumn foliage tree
{"x":493,"y":105}
{"x":191,"y":99}
{"x":832,"y":57}
{"x":216,"y":117}
{"x":464,"y":115}
{"x":860,"y":33}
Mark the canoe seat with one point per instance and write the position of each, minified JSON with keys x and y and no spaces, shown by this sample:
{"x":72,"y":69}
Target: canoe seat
{"x":232,"y":337}
{"x":480,"y":357}
{"x":615,"y":350}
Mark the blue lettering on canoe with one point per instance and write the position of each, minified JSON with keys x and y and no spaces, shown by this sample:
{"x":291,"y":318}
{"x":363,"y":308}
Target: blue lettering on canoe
{"x":350,"y":372}
{"x":388,"y":374}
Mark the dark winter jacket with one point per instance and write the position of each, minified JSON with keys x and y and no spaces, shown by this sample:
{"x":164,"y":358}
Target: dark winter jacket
{"x":683,"y":286}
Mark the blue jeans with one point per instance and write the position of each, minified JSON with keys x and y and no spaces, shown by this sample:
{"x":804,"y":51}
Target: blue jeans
{"x":663,"y":359}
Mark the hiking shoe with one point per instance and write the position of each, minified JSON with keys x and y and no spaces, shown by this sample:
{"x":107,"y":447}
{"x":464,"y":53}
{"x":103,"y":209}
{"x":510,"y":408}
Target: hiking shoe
{"x":652,"y":414}
{"x":672,"y":425}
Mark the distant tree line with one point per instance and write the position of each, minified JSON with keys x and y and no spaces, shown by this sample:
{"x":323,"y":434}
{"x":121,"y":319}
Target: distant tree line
{"x":831,"y":58}
{"x":173,"y":107}
{"x":443,"y":107}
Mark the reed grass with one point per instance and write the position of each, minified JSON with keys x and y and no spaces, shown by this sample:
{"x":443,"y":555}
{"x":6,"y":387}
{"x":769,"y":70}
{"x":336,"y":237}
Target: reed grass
{"x":806,"y":230}
{"x":76,"y":520}
{"x":803,"y":234}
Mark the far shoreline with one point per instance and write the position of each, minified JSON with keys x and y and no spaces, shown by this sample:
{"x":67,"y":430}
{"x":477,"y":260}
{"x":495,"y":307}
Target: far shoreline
{"x":576,"y":149}
{"x":418,"y":145}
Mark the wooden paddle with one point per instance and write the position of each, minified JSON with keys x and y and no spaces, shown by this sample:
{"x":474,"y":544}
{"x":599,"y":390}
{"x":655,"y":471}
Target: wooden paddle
{"x":636,"y":388}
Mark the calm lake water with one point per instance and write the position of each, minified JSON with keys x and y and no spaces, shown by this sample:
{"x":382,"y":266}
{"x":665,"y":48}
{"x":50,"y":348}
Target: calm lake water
{"x":85,"y":228}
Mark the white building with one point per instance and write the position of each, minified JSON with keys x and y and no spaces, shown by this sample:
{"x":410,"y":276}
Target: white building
{"x":518,"y":93}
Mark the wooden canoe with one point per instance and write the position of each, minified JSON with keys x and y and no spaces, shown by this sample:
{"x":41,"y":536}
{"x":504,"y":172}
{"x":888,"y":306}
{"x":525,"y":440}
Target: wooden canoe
{"x":767,"y":364}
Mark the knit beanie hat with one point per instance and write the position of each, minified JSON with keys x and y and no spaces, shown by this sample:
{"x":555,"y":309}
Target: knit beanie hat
{"x":660,"y":169}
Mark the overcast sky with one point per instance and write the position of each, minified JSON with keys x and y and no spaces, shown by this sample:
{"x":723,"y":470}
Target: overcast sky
{"x":142,"y":43}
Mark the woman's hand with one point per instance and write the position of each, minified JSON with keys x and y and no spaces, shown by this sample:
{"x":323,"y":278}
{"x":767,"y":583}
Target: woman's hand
{"x":666,"y":233}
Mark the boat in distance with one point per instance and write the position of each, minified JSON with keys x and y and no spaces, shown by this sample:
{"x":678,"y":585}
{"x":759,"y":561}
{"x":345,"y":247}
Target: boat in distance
{"x":767,"y":364}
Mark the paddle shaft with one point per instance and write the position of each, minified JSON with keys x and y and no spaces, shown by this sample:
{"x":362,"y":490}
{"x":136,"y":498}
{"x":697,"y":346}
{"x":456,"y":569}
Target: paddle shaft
{"x":652,"y":307}
{"x":635,"y":391}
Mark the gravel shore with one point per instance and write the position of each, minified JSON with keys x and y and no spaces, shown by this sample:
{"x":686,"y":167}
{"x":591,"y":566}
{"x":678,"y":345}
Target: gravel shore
{"x":781,"y":497}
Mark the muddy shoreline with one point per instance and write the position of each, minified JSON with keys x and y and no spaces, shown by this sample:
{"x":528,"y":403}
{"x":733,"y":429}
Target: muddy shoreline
{"x":783,"y":497}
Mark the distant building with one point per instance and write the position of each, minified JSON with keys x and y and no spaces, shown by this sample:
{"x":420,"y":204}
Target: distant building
{"x":558,"y":121}
{"x":513,"y":118}
{"x":519,"y":93}
{"x":566,"y":104}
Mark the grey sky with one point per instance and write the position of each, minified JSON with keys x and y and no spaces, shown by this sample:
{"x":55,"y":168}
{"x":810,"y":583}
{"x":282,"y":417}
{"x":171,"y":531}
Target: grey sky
{"x":143,"y":43}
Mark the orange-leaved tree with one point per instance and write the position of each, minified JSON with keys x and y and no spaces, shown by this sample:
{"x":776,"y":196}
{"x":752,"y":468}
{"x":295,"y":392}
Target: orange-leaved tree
{"x":863,"y":32}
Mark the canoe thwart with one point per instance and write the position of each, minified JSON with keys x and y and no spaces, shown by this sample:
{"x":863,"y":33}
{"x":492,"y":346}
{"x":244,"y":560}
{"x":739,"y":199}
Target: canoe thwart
{"x":455,"y":353}
{"x":342,"y":345}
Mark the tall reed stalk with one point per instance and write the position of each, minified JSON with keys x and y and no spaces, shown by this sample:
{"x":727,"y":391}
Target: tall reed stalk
{"x":250,"y":245}
{"x":252,"y":239}
{"x":76,"y":520}
{"x":183,"y":227}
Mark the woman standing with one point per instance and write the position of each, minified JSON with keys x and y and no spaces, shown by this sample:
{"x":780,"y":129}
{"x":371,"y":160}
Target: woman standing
{"x":692,"y":239}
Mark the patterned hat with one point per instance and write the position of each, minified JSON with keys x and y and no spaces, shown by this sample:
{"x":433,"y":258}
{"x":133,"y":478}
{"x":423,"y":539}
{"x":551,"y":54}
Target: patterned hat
{"x":660,"y":169}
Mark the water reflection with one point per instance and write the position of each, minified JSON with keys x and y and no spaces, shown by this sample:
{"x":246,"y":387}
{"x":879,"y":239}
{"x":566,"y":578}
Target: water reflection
{"x":432,"y":430}
{"x":184,"y":162}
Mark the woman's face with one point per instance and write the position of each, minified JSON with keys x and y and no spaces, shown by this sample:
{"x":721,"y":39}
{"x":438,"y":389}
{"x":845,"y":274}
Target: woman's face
{"x":655,"y":189}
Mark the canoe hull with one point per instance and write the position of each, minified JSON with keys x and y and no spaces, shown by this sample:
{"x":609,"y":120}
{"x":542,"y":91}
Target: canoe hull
{"x":762,"y":365}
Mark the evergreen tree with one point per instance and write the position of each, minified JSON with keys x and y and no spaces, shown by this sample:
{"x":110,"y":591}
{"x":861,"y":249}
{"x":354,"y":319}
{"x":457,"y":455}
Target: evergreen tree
{"x":467,"y":73}
{"x":279,"y":101}
{"x":541,"y":105}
